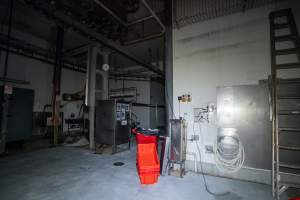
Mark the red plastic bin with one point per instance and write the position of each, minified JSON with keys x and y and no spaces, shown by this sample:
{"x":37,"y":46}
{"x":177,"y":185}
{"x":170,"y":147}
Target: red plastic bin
{"x":144,"y":139}
{"x":297,"y":198}
{"x":148,"y":165}
{"x":148,"y":178}
{"x":147,"y":158}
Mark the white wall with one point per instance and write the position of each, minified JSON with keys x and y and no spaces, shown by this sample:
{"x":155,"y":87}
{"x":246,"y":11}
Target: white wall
{"x":40,"y":76}
{"x":231,"y":50}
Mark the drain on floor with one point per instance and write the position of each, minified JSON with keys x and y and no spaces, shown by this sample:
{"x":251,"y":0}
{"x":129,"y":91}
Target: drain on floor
{"x":118,"y":163}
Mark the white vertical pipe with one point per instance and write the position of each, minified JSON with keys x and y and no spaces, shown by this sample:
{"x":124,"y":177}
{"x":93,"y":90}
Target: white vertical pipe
{"x":105,"y":75}
{"x":90,"y":92}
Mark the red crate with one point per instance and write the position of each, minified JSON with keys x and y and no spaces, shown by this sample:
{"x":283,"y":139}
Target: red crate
{"x":147,"y":158}
{"x":148,"y":165}
{"x":148,"y":178}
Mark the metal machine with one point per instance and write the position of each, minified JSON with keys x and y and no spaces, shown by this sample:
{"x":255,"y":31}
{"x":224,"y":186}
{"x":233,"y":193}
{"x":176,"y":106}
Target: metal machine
{"x":178,"y":145}
{"x":113,"y":123}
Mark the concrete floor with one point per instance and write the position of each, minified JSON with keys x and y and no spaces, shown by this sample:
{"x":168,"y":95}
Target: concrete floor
{"x":78,"y":174}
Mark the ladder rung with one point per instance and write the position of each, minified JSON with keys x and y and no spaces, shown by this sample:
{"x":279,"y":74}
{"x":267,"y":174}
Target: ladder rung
{"x":288,"y":97}
{"x":289,"y":81}
{"x":289,"y":112}
{"x":280,"y":13}
{"x":281,"y":26}
{"x":286,"y":51}
{"x":288,"y":65}
{"x":284,"y":38}
{"x":289,"y":166}
{"x":284,"y":129}
{"x":289,"y":148}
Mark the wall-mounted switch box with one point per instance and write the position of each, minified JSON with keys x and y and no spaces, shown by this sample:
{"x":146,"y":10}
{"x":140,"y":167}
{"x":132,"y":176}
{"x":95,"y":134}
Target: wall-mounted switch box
{"x":195,"y":137}
{"x":209,"y":149}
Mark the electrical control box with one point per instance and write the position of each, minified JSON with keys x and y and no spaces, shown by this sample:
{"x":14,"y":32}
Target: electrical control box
{"x":112,"y":123}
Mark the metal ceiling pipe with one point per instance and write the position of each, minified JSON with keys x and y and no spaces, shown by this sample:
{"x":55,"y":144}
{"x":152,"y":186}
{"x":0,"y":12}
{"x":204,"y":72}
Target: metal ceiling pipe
{"x":163,"y":28}
{"x":149,"y":37}
{"x":110,"y":12}
{"x":139,"y":20}
{"x":125,"y":24}
{"x":105,"y":42}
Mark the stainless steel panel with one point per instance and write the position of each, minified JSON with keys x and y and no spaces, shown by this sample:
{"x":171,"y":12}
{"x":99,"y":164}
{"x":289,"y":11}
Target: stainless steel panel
{"x":178,"y":141}
{"x":105,"y":122}
{"x":112,"y":122}
{"x":246,"y":108}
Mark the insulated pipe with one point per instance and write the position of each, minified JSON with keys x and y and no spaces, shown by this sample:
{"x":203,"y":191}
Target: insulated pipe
{"x":90,"y":90}
{"x":110,"y":12}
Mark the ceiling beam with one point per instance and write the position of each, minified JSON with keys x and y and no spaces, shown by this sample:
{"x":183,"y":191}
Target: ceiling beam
{"x":97,"y":37}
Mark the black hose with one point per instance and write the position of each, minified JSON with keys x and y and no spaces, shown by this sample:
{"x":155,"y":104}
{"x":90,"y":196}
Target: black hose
{"x":202,"y":173}
{"x":204,"y":178}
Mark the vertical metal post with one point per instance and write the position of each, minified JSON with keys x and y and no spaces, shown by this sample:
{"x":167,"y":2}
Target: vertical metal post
{"x":4,"y":97}
{"x":168,"y":65}
{"x":91,"y":92}
{"x":57,"y":83}
{"x":105,"y":76}
{"x":156,"y":115}
{"x":274,"y":179}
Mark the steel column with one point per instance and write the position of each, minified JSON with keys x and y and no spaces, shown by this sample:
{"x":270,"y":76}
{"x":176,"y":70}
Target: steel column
{"x":57,"y":84}
{"x":105,"y":76}
{"x":90,"y":92}
{"x":4,"y":96}
{"x":168,"y":66}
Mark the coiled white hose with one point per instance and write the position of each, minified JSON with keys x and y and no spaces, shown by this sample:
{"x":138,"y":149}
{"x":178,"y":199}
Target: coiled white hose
{"x":229,"y":151}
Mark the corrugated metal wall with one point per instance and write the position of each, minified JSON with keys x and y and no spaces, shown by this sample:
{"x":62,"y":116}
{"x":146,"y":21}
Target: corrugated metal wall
{"x":192,"y":11}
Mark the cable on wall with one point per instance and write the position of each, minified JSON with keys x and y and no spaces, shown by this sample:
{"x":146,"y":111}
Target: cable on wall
{"x":229,"y":151}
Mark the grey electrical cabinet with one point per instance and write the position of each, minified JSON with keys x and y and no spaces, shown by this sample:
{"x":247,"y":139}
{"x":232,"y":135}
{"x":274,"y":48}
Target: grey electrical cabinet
{"x":112,"y":123}
{"x":20,"y":113}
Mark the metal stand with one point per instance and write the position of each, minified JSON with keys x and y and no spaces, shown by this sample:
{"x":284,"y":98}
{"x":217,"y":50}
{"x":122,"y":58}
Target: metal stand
{"x":285,"y":102}
{"x":178,"y":146}
{"x":181,"y":168}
